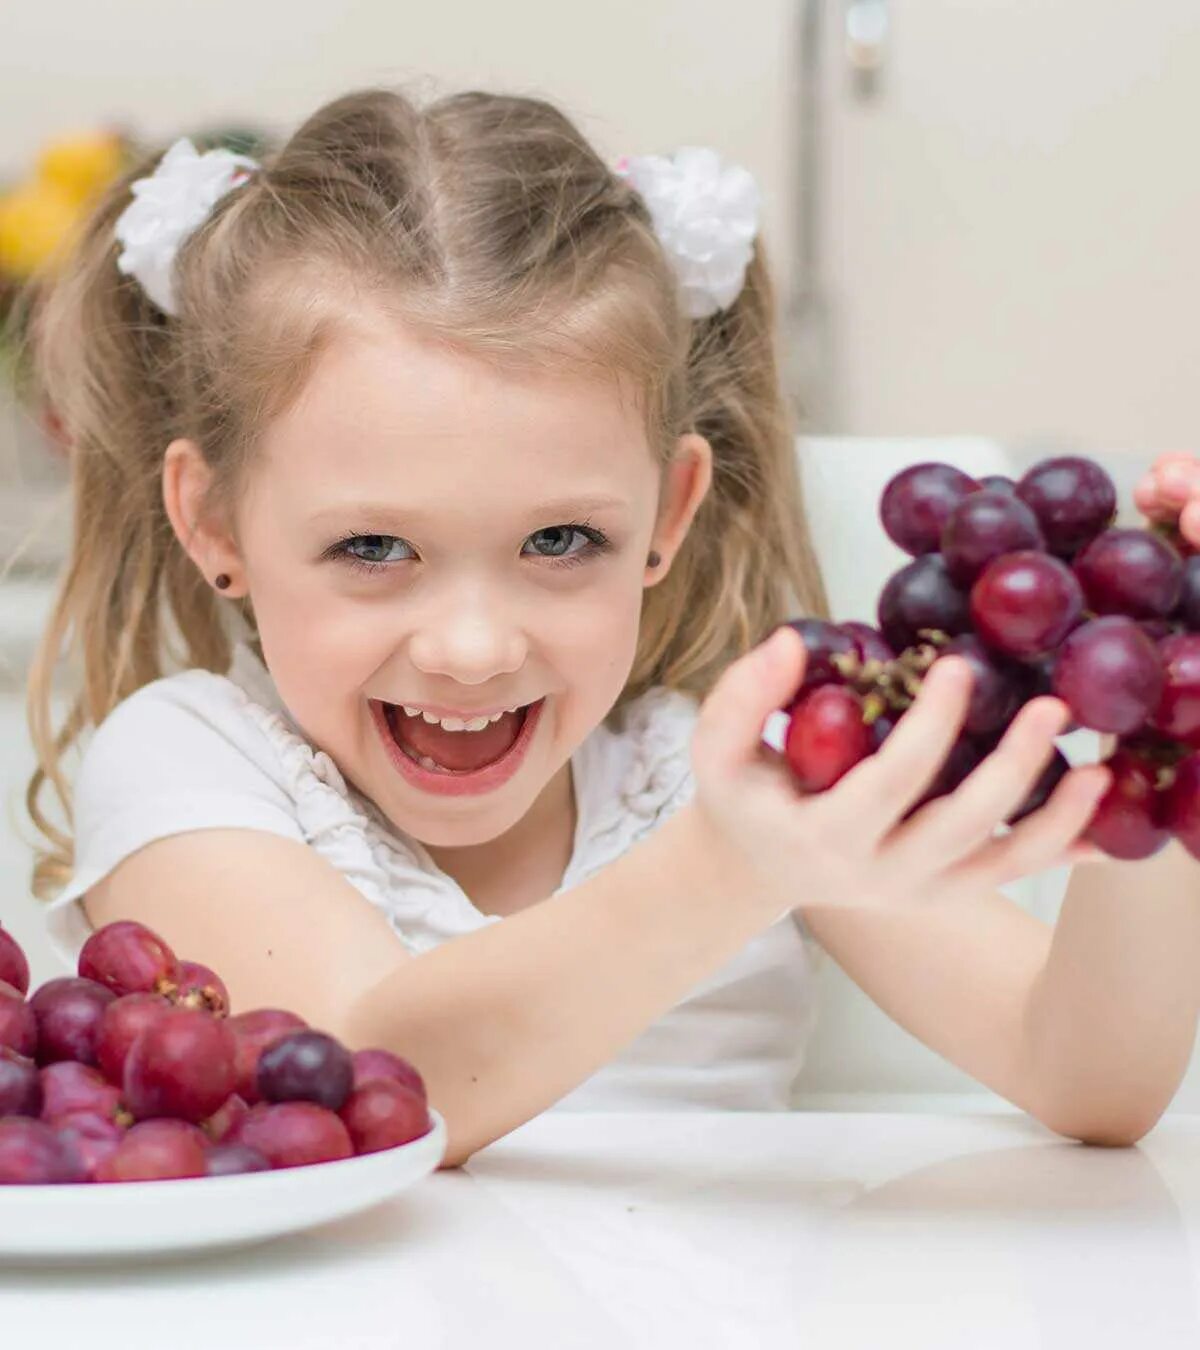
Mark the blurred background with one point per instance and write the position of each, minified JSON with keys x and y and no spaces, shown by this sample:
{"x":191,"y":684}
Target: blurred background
{"x":980,"y":215}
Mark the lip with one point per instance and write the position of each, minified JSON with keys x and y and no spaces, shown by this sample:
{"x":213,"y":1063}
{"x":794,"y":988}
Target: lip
{"x":487,"y":779}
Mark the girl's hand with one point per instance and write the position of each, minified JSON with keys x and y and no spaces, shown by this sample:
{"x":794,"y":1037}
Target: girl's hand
{"x":849,"y":846}
{"x":1170,"y":492}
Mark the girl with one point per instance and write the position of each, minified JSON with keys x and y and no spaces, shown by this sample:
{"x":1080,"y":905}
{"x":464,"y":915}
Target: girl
{"x":433,"y":415}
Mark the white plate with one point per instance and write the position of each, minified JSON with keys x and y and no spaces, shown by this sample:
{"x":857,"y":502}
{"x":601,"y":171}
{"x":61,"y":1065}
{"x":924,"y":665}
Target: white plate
{"x":151,"y":1217}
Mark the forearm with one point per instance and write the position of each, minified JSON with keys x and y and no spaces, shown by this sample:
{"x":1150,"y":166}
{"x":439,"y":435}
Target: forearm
{"x":1111,"y":1020}
{"x":504,"y":1021}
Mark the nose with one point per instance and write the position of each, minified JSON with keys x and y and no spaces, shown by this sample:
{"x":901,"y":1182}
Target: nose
{"x":468,"y":636}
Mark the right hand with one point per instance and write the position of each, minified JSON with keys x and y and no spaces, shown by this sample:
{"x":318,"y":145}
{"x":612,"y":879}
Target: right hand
{"x":848,"y":846}
{"x":1169,"y":492}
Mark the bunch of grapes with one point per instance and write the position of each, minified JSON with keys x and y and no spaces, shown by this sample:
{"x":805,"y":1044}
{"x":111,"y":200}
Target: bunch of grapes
{"x":133,"y":1070}
{"x":1032,"y":583}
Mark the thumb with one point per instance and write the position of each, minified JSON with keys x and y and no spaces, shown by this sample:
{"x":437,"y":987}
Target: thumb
{"x":747,"y":691}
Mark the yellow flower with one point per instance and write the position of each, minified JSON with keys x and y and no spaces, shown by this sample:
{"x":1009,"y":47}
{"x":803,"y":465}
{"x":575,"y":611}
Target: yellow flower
{"x":37,"y":222}
{"x":81,"y":165}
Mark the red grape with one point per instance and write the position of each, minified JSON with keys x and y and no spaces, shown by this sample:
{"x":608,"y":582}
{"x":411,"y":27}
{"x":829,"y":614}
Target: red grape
{"x":869,"y":643}
{"x":1049,"y":778}
{"x":1181,"y":804}
{"x":123,"y":1021}
{"x":1130,"y":572}
{"x":229,"y":1160}
{"x":1025,"y":603}
{"x":1128,"y":820}
{"x":253,"y":1032}
{"x":997,"y":687}
{"x":128,"y":958}
{"x":156,"y":1150}
{"x":1109,"y":674}
{"x":68,"y":1087}
{"x":982,"y":527}
{"x":1178,"y":712}
{"x":199,"y":987}
{"x":225,"y":1118}
{"x":1187,"y":611}
{"x":383,"y":1114}
{"x":371,"y":1065}
{"x":18,"y":1025}
{"x":32,"y":1154}
{"x":292,"y":1134}
{"x":91,"y":1138}
{"x":822,"y":641}
{"x":826,"y":736}
{"x":306,"y":1066}
{"x":1073,"y":499}
{"x":182,"y":1066}
{"x":997,"y":482}
{"x":68,"y":1012}
{"x":921,"y":596}
{"x":917,"y":501}
{"x":14,"y":968}
{"x":20,"y":1085}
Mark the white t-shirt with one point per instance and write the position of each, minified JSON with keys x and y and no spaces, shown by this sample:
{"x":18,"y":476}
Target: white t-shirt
{"x":197,"y":751}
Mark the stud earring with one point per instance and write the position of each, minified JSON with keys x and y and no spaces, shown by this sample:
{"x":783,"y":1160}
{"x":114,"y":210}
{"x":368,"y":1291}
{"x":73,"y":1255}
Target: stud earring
{"x":653,"y":560}
{"x":221,"y":581}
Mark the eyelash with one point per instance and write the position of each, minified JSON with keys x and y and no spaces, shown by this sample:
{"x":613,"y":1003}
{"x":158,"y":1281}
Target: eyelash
{"x":598,"y":542}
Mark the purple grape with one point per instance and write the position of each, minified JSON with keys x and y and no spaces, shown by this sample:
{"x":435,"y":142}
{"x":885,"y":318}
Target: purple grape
{"x":228,"y":1160}
{"x":997,"y":482}
{"x":869,"y":643}
{"x":1187,"y":611}
{"x":1181,"y":806}
{"x":1130,"y":572}
{"x":68,"y":1012}
{"x":1073,"y":499}
{"x":917,"y":501}
{"x":32,"y":1154}
{"x":982,"y":527}
{"x":1109,"y":674}
{"x":920,"y":596}
{"x":1128,"y":820}
{"x":18,"y":1025}
{"x":998,"y":688}
{"x":20,"y":1085}
{"x":1025,"y":603}
{"x":306,"y":1066}
{"x":14,"y":968}
{"x":822,"y":641}
{"x":1049,"y":778}
{"x":1178,"y":711}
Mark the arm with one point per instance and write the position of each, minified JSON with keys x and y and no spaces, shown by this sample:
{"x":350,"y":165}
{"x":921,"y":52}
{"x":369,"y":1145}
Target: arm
{"x":501,"y":1022}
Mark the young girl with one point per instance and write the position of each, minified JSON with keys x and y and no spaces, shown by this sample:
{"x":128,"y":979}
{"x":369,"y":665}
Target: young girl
{"x":434,"y":415}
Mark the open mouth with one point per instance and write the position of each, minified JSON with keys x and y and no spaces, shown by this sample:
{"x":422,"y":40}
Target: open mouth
{"x":456,"y":754}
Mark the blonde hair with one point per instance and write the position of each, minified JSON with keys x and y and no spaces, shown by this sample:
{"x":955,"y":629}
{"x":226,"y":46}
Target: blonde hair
{"x":485,"y":221}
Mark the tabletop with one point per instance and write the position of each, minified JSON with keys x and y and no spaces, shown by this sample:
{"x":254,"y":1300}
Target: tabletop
{"x":705,"y":1229}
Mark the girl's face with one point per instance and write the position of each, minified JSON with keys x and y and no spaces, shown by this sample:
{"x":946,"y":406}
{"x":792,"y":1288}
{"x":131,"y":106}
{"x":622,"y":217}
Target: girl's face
{"x":422,"y":529}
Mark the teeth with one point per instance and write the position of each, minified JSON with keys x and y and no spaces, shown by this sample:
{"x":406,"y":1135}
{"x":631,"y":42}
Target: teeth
{"x":455,"y":723}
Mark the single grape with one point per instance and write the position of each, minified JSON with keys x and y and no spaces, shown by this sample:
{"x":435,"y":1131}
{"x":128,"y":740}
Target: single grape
{"x":306,"y":1066}
{"x":982,"y":527}
{"x":1073,"y":499}
{"x":68,"y":1011}
{"x":826,"y":736}
{"x":128,"y":958}
{"x":1024,"y":604}
{"x":156,"y":1150}
{"x":90,"y":1138}
{"x":998,"y":687}
{"x":372,"y":1065}
{"x":31,"y":1154}
{"x":921,"y":596}
{"x":123,"y":1021}
{"x":1178,"y":712}
{"x":229,"y":1160}
{"x":182,"y":1066}
{"x":1109,"y":674}
{"x":384,"y":1114}
{"x":822,"y":641}
{"x":253,"y":1031}
{"x":1131,"y":572}
{"x":199,"y":987}
{"x":997,"y":482}
{"x":917,"y":501}
{"x":1181,"y":804}
{"x":1049,"y":778}
{"x":294,"y":1134}
{"x":1128,"y":820}
{"x":14,"y":968}
{"x":1187,"y":611}
{"x":18,"y":1025}
{"x":20,"y":1086}
{"x":224,"y":1119}
{"x":869,"y":643}
{"x":68,"y":1087}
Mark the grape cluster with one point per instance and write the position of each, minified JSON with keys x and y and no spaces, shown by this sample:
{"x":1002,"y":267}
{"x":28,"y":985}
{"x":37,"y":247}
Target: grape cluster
{"x":1034,"y":585}
{"x":133,"y":1070}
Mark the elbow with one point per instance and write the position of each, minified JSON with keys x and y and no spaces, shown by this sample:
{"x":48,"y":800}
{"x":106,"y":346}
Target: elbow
{"x":1114,"y":1131}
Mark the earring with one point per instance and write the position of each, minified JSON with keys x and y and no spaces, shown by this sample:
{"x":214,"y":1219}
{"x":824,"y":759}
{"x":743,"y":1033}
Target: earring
{"x":653,"y":560}
{"x":221,"y":581}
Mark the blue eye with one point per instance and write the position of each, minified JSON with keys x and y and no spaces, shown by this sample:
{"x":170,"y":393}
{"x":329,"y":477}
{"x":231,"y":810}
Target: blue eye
{"x":374,"y":552}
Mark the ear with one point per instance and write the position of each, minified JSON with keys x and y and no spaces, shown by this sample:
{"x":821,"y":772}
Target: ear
{"x":686,"y":482}
{"x":185,"y":481}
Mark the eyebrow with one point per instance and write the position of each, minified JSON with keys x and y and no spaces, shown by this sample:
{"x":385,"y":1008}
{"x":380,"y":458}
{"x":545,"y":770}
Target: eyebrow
{"x":371,"y":513}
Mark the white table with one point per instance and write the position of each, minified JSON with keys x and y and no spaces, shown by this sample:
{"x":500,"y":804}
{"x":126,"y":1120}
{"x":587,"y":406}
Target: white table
{"x":700,"y":1230}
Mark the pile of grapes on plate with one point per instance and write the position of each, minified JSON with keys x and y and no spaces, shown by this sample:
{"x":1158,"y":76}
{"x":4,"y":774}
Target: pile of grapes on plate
{"x":134,"y":1071}
{"x":1032,"y":583}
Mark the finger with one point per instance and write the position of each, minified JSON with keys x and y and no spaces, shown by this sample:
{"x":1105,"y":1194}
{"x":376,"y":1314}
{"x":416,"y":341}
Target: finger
{"x":730,"y":724}
{"x":1047,"y":837}
{"x":952,"y":826}
{"x":882,"y":787}
{"x":1176,"y":481}
{"x":1147,"y":500}
{"x":1189,"y":521}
